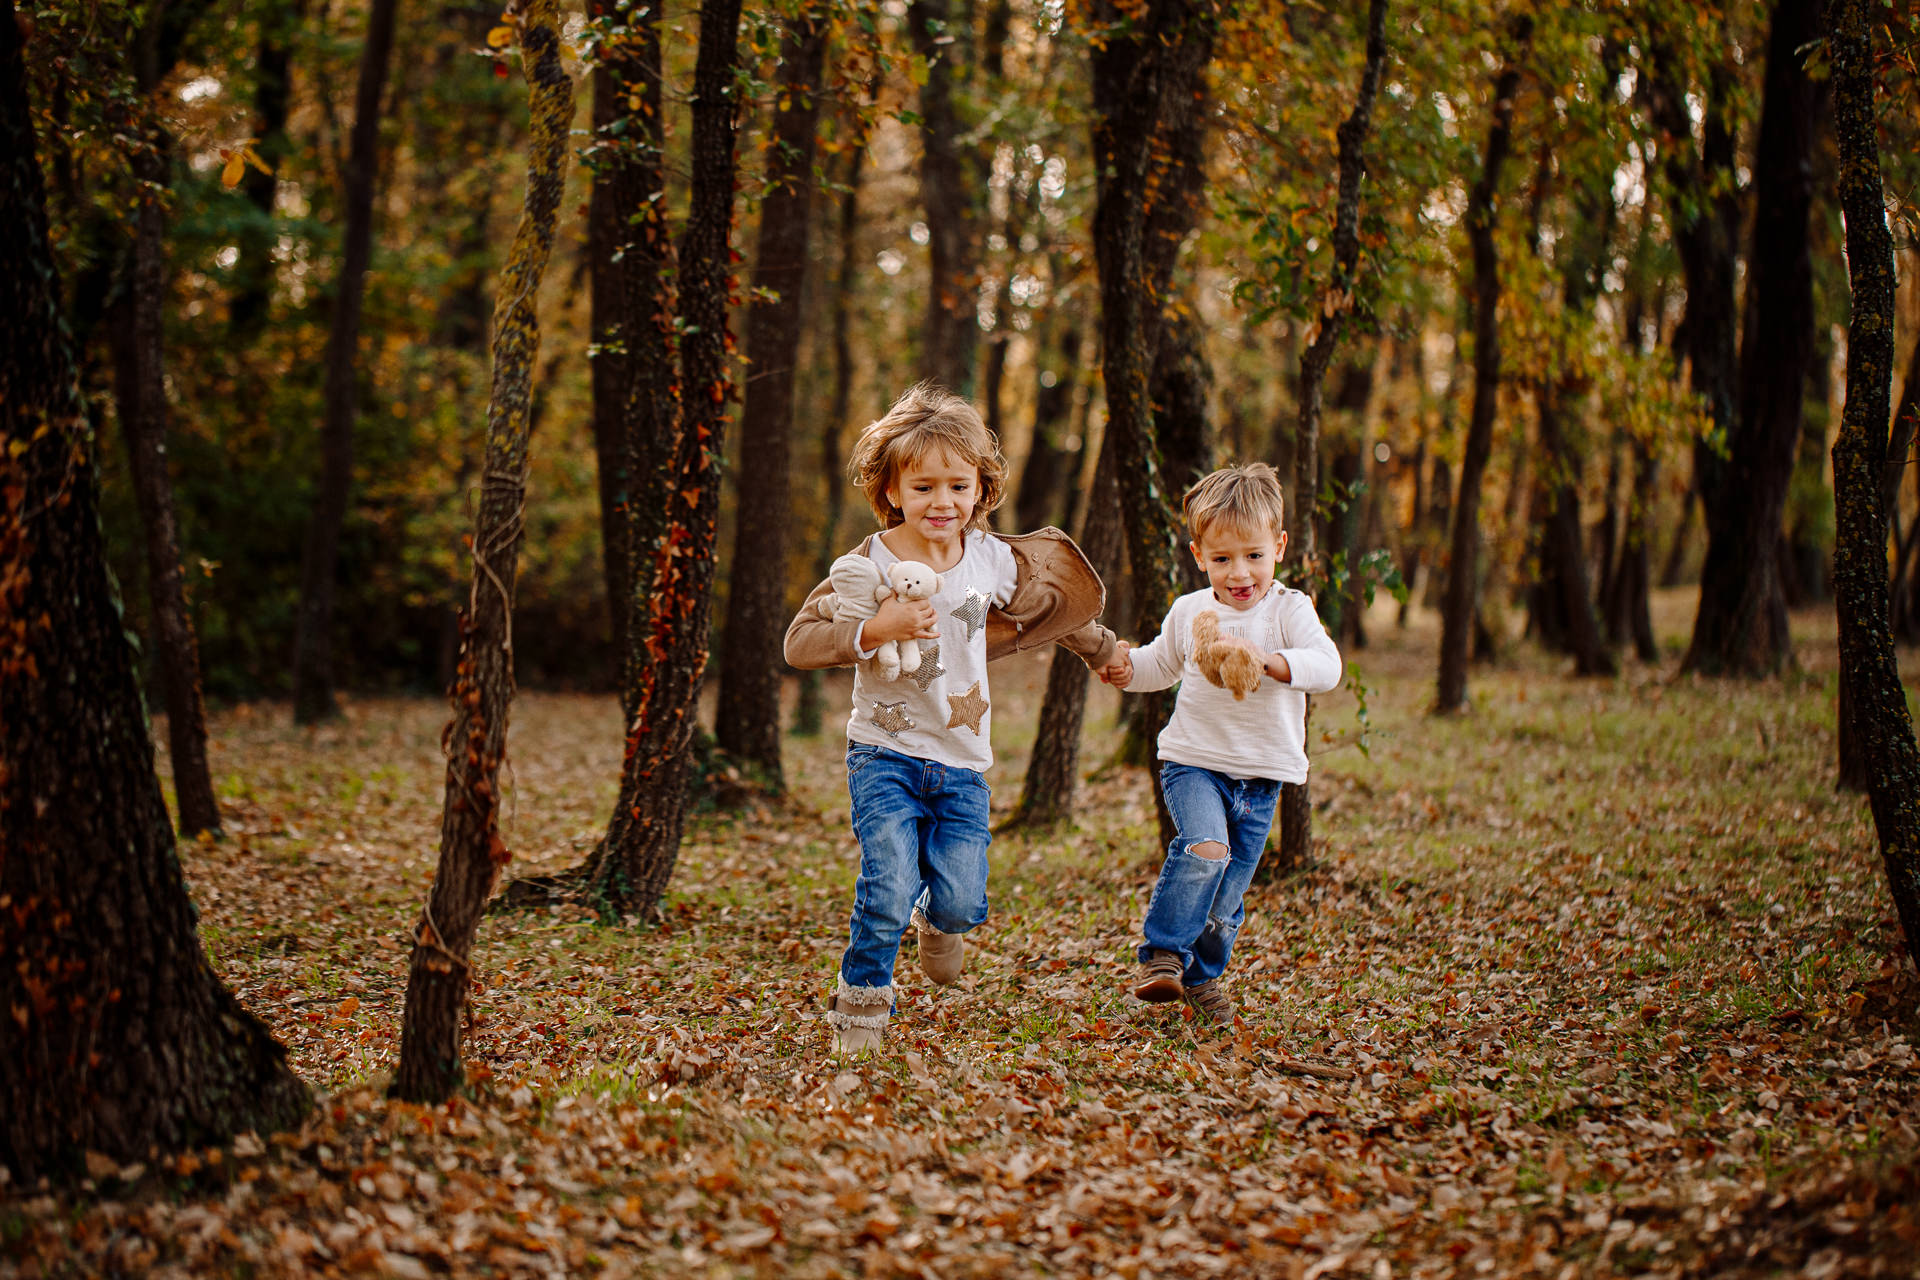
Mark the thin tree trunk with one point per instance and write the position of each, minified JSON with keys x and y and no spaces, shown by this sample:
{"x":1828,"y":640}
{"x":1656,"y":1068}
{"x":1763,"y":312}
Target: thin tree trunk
{"x":1053,"y":770}
{"x":1457,"y":622}
{"x":951,"y":330}
{"x":1868,"y":669}
{"x":747,"y":723}
{"x":471,"y":849}
{"x":141,"y":394}
{"x":807,"y":711}
{"x":253,"y":272}
{"x":313,"y":674}
{"x":1741,"y":626}
{"x":672,"y":588}
{"x":120,"y":1038}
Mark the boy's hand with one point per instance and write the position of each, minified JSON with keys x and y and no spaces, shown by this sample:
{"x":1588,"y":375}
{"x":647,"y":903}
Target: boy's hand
{"x":1119,"y":669}
{"x":899,"y":620}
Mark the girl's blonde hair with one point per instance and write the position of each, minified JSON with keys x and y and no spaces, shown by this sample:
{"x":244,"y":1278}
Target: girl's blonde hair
{"x":1242,"y":498}
{"x":927,"y":418}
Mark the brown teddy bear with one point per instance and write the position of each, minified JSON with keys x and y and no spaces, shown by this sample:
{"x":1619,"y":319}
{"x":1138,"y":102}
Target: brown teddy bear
{"x":1227,"y":662}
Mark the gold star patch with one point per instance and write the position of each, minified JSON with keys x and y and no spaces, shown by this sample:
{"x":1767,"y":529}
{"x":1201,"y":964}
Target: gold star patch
{"x":891,"y":718}
{"x":929,"y":669}
{"x":973,"y":612}
{"x":967,"y":707}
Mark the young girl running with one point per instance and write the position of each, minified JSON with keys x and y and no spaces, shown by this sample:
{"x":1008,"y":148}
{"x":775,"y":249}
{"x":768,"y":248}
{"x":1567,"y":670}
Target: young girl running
{"x":919,"y":745}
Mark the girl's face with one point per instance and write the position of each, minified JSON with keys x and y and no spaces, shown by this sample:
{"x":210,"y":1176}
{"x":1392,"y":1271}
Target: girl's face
{"x":936,"y":493}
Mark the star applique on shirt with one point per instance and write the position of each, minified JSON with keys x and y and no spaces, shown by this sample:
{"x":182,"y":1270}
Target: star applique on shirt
{"x":968,"y":708}
{"x":930,"y":668}
{"x":973,"y":612}
{"x":891,"y":718}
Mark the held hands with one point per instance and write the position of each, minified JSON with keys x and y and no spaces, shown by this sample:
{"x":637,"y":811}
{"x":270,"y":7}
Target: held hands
{"x":899,"y":619}
{"x":1119,"y":669}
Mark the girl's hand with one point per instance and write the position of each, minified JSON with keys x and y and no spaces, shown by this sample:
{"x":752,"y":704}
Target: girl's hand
{"x":1119,"y":669}
{"x":900,"y":620}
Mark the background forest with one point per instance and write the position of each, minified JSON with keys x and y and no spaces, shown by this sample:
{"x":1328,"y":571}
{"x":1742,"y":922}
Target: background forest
{"x":352,"y":351}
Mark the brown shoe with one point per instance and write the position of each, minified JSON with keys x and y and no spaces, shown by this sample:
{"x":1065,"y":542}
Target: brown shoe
{"x":1211,"y":1001}
{"x":942,"y":955}
{"x":1159,"y":978}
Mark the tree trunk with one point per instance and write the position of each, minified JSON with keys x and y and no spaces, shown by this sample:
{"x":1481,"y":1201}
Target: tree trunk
{"x":747,"y":723}
{"x":1741,"y":626}
{"x":1145,"y":72}
{"x":1905,"y":590}
{"x":952,"y":327}
{"x":807,"y":710}
{"x":319,"y":569}
{"x":141,"y":395}
{"x":120,"y":1038}
{"x":672,"y":587}
{"x":1053,"y":771}
{"x":1457,"y":621}
{"x":1868,"y":669}
{"x":1047,"y":472}
{"x":253,"y":272}
{"x":471,"y":849}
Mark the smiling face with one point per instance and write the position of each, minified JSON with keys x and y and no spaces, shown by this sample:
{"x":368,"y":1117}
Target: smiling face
{"x":1239,"y":563}
{"x":936,"y":494}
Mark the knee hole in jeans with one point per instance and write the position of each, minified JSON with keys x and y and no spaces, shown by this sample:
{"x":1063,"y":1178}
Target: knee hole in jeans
{"x":1211,"y":850}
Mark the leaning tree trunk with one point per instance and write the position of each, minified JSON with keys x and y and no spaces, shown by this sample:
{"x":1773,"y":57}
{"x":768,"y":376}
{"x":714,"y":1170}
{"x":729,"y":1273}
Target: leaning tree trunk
{"x":319,"y":567}
{"x":1053,"y":770}
{"x":747,"y":721}
{"x":628,"y":872}
{"x":1457,"y":619}
{"x":951,"y":329}
{"x":120,"y":1038}
{"x":1147,"y":66}
{"x":1741,"y":626}
{"x":141,"y":395}
{"x":808,"y":703}
{"x":471,"y":849}
{"x":1867,"y":668}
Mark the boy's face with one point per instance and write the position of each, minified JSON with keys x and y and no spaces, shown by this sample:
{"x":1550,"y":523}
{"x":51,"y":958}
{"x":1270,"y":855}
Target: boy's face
{"x":937,"y":494}
{"x":1238,"y":563}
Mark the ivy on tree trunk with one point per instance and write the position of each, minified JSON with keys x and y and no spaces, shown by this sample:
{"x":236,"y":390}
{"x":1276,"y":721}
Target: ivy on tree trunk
{"x":471,"y":849}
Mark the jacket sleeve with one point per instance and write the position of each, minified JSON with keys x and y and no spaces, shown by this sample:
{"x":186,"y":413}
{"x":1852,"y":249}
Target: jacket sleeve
{"x":1157,"y":665}
{"x":1093,"y":644}
{"x":1310,"y":652}
{"x":815,"y":639}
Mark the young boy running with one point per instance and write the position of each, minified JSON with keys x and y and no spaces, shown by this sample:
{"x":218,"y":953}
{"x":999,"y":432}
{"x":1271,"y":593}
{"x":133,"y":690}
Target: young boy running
{"x":1222,"y":758}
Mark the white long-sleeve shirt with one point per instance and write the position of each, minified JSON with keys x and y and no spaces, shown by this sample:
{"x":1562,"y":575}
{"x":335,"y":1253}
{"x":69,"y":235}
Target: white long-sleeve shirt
{"x":1263,"y":735}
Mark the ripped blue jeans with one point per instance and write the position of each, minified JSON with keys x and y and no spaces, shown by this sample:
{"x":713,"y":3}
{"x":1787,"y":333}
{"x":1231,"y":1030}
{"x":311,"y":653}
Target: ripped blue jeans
{"x":1196,"y":911}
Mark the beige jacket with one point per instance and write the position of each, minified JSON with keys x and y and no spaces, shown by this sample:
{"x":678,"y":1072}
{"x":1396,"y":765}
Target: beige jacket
{"x":1057,"y":599}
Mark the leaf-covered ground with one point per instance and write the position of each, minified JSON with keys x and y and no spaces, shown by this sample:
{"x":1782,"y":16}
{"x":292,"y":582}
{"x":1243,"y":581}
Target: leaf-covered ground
{"x":1611,"y":966}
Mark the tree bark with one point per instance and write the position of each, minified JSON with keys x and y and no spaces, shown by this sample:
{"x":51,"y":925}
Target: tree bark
{"x":1145,"y":71}
{"x":120,"y":1037}
{"x":747,"y":722}
{"x":1741,"y":626}
{"x":807,"y":710}
{"x":313,"y":673}
{"x":672,"y":587}
{"x":1053,"y":770}
{"x":141,"y":395}
{"x":471,"y":849}
{"x":1868,"y":670}
{"x":1457,"y":620}
{"x":951,"y":330}
{"x":253,"y":272}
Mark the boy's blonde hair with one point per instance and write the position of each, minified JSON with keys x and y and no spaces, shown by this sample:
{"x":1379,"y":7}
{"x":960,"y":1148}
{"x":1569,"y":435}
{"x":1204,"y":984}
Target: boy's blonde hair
{"x":925,"y":419}
{"x":1242,"y":498}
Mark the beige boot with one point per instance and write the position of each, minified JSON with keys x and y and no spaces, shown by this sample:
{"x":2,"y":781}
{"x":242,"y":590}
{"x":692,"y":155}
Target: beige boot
{"x":858,"y":1016}
{"x":942,"y":955}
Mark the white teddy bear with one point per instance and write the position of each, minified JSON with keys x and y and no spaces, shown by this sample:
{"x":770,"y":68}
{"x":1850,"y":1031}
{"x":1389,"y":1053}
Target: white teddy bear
{"x":858,"y":590}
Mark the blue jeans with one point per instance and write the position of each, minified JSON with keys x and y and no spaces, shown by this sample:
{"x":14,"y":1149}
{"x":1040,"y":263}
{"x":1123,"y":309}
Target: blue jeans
{"x":1196,"y":910}
{"x":923,"y":835}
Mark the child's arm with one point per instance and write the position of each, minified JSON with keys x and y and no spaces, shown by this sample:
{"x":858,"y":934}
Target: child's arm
{"x":1308,"y":660}
{"x":1158,"y":665}
{"x":816,"y":639}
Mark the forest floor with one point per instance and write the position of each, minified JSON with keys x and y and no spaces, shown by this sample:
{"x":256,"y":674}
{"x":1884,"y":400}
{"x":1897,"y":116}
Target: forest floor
{"x":1610,"y":964}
